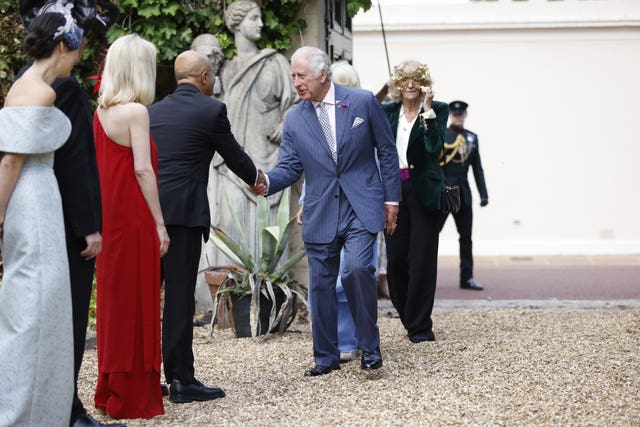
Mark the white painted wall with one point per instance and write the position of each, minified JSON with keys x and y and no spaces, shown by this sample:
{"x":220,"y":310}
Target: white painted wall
{"x":554,"y":96}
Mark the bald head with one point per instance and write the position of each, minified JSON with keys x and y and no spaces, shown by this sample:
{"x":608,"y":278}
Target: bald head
{"x":190,"y":64}
{"x":194,"y":68}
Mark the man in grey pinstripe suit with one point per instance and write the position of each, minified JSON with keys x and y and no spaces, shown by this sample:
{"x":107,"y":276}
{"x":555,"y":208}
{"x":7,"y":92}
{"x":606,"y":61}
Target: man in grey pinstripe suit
{"x":348,"y":201}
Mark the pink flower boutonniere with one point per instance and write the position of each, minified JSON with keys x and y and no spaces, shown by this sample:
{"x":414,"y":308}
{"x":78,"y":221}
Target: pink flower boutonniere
{"x":341,"y":104}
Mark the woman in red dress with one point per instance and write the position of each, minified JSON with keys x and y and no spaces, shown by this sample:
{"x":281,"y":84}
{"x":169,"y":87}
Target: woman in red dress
{"x":133,"y":233}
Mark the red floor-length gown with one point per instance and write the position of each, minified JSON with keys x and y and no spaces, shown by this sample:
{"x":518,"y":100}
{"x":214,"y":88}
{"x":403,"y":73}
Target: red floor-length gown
{"x":128,"y":288}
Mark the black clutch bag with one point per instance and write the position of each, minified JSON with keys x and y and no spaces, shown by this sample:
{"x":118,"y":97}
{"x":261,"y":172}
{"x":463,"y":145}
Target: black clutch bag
{"x":450,"y":199}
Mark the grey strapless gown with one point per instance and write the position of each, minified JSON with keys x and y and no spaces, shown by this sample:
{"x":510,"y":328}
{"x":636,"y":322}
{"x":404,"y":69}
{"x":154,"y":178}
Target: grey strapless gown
{"x":36,"y":332}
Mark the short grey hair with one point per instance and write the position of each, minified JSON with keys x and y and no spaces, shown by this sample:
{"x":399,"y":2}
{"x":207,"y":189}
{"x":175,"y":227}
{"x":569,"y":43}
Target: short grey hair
{"x":344,"y":74}
{"x":317,"y":59}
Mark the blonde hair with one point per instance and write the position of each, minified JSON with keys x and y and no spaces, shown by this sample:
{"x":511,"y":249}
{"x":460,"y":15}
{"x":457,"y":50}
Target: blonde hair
{"x":410,"y":69}
{"x":129,"y":72}
{"x":344,"y":74}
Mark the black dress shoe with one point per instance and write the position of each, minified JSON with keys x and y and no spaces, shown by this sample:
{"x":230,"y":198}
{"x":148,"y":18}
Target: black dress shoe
{"x":371,"y":360}
{"x":471,"y":284}
{"x":321,"y":370}
{"x":165,"y":390}
{"x":185,"y":393}
{"x":86,"y":420}
{"x":429,"y":336}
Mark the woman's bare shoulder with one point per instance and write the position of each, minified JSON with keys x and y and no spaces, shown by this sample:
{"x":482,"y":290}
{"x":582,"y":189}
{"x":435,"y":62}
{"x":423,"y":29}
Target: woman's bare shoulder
{"x":134,"y":111}
{"x":130,"y":108}
{"x":130,"y":113}
{"x":28,"y":91}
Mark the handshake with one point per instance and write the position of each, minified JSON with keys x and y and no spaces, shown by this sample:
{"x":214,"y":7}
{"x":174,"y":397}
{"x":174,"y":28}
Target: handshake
{"x":261,"y":186}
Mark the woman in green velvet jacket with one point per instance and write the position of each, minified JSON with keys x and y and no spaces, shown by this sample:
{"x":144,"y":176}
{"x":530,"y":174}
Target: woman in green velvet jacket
{"x":419,"y":124}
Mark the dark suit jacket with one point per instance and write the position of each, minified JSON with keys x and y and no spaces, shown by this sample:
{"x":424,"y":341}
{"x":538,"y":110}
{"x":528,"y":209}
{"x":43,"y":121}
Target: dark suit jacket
{"x":423,"y":152}
{"x":75,"y":162}
{"x":457,"y":170}
{"x":189,"y":127}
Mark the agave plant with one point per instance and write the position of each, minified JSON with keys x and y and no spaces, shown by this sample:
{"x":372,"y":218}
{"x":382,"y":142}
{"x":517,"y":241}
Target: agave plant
{"x":260,"y":272}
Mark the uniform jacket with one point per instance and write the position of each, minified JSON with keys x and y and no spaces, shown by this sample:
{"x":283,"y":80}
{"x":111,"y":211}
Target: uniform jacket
{"x":361,"y":129}
{"x":188,"y":128}
{"x":457,"y":169}
{"x":423,"y":152}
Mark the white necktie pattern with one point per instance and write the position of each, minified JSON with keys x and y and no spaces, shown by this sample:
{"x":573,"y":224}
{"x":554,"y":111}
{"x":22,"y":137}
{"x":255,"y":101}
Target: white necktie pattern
{"x":323,"y":116}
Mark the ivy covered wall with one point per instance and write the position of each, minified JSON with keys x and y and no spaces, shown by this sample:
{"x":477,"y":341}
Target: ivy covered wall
{"x":169,"y":24}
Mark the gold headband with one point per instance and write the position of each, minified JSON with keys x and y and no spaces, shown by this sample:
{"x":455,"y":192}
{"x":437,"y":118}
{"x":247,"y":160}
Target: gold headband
{"x":420,"y":75}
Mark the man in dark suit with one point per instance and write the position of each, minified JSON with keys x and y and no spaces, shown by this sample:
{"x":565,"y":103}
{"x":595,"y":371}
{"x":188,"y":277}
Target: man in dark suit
{"x":77,"y":174}
{"x":333,"y":135}
{"x":462,"y":151}
{"x":189,"y":127}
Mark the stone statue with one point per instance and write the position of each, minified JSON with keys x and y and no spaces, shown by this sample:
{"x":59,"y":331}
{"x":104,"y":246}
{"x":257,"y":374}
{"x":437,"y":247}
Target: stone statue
{"x":209,"y":45}
{"x":258,"y":91}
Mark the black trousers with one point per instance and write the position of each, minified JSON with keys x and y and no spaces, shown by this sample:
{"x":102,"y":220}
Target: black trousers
{"x":180,"y":270}
{"x":412,"y":263}
{"x":464,"y":222}
{"x":81,"y":274}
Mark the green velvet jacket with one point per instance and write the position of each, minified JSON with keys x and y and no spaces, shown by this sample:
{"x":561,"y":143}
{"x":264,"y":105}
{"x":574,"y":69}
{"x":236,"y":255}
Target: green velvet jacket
{"x":423,"y":152}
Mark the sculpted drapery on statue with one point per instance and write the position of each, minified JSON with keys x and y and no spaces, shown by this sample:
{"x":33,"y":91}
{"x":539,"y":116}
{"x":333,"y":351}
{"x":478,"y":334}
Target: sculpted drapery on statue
{"x":258,"y":91}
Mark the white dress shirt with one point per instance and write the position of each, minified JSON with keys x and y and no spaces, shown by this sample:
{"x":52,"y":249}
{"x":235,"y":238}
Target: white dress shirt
{"x":402,"y":137}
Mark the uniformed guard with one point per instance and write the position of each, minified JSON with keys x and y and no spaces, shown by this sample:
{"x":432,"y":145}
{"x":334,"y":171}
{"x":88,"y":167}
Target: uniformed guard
{"x":461,"y":151}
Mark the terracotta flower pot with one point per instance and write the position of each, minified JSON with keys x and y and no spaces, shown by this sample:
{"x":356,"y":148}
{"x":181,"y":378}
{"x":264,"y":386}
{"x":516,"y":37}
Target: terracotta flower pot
{"x":214,"y":279}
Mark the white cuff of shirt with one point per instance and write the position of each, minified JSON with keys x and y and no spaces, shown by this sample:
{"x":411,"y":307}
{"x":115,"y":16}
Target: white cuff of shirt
{"x":429,"y":114}
{"x":266,"y":177}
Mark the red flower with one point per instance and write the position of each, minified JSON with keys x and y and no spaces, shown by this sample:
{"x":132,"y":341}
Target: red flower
{"x":99,"y":67}
{"x":98,"y":79}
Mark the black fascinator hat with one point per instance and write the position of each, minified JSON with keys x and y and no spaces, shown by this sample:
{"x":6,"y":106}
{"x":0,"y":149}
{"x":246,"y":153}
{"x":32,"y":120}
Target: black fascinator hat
{"x":85,"y":13}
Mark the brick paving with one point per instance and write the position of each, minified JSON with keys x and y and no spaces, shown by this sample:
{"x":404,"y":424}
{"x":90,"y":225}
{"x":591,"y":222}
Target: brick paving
{"x":543,"y":278}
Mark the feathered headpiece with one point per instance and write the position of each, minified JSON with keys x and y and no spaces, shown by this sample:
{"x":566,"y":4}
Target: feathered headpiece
{"x":70,"y":33}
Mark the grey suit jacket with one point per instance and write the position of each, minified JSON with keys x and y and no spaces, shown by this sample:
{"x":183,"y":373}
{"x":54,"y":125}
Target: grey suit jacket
{"x":356,"y":173}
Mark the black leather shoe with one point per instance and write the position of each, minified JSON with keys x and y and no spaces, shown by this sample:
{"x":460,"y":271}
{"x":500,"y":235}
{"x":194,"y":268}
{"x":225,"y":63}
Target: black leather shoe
{"x":321,"y":370}
{"x":86,"y":420}
{"x":429,"y":336}
{"x":185,"y":393}
{"x":371,"y":360}
{"x":471,"y":284}
{"x":165,"y":390}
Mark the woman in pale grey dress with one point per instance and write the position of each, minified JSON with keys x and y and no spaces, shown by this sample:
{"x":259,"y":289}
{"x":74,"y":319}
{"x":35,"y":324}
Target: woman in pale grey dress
{"x":36,"y":333}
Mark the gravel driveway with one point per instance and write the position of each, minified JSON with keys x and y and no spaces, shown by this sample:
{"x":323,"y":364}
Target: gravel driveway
{"x":489,"y":366}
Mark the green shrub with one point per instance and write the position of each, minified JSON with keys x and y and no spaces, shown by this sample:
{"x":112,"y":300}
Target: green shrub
{"x":169,"y":24}
{"x":11,"y":56}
